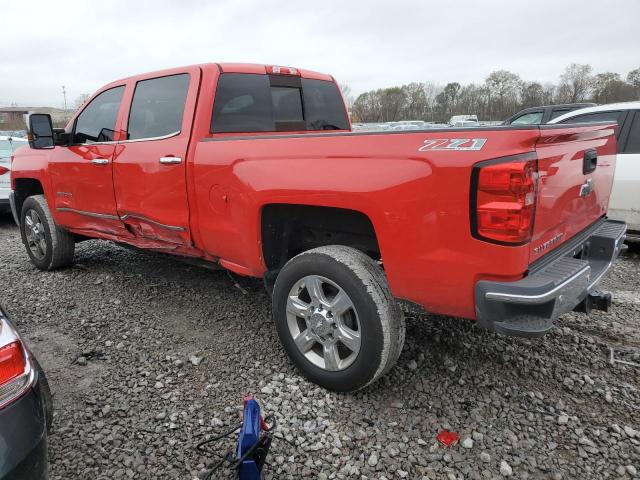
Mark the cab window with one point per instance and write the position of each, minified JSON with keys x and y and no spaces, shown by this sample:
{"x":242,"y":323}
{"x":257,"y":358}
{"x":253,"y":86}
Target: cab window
{"x":157,"y":107}
{"x":97,"y":122}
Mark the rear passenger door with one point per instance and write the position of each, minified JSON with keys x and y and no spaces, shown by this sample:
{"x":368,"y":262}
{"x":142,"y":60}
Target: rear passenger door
{"x":149,"y":168}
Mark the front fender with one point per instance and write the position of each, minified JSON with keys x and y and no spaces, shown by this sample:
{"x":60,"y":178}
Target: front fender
{"x":33,"y":164}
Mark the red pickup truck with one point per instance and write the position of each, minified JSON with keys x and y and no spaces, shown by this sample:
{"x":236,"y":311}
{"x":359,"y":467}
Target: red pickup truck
{"x":254,"y":168}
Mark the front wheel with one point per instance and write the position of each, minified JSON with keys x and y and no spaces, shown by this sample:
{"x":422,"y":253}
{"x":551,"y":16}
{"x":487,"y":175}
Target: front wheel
{"x":336,"y":317}
{"x":48,"y":246}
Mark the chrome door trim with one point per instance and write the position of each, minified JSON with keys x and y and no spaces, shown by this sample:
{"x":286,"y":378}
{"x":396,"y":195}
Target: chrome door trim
{"x":146,"y":219}
{"x":105,"y":216}
{"x":149,"y":139}
{"x":113,"y":142}
{"x":123,"y":218}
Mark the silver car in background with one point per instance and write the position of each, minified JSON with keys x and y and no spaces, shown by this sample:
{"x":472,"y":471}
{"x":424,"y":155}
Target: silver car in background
{"x":8,"y":145}
{"x":625,"y":197}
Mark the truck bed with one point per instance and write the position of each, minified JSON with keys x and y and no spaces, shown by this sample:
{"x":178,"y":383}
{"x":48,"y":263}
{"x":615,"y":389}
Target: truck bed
{"x":415,"y":188}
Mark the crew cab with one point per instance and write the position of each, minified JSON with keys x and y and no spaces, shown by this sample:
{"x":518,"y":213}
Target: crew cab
{"x":625,"y":198}
{"x":255,"y":169}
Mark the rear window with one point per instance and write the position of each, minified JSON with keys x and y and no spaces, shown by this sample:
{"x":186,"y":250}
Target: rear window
{"x":613,"y":116}
{"x":8,"y":147}
{"x":557,"y":113}
{"x":272,"y":103}
{"x":5,"y":148}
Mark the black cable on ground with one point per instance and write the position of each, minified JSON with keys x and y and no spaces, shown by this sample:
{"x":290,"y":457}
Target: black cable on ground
{"x":269,"y":424}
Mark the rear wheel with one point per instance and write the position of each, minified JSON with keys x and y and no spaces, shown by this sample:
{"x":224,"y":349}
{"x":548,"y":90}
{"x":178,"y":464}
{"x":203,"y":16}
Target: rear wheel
{"x":49,"y":247}
{"x":336,"y":317}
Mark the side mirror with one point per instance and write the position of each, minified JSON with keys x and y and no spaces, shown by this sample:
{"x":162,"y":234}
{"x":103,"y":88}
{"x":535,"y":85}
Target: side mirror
{"x":40,"y":133}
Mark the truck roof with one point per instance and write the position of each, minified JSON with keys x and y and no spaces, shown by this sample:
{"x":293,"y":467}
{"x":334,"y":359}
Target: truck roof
{"x":227,"y":67}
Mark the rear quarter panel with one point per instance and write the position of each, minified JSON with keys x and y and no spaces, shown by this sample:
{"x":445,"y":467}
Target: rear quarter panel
{"x":418,"y":202}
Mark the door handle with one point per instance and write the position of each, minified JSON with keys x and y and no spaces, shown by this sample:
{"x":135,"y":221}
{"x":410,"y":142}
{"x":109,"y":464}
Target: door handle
{"x":99,"y":161}
{"x":170,"y":160}
{"x":590,"y":161}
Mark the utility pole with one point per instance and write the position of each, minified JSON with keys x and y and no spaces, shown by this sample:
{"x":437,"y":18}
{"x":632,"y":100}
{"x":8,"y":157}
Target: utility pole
{"x":64,"y":95}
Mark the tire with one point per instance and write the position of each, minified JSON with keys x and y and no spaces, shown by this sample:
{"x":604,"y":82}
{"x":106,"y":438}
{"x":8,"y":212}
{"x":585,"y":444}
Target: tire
{"x":351,"y":330}
{"x":45,"y":394}
{"x":49,"y":247}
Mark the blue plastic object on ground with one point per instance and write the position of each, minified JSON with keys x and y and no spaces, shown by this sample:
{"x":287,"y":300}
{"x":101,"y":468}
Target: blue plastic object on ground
{"x":249,"y":469}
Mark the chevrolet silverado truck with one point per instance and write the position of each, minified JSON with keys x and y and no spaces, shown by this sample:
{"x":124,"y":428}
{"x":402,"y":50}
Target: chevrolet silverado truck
{"x":255,"y":169}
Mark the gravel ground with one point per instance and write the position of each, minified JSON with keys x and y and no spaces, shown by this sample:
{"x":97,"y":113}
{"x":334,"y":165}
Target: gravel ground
{"x":145,"y":353}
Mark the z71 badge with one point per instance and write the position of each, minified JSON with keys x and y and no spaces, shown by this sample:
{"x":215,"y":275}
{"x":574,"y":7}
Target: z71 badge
{"x":453,"y":144}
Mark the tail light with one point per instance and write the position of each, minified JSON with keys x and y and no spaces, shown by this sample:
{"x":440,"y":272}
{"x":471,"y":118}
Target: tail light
{"x":16,"y":372}
{"x":277,"y":70}
{"x":3,"y":170}
{"x":503,"y":199}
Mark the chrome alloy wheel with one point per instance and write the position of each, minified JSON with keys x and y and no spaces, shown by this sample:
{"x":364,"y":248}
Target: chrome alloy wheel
{"x":34,"y":230}
{"x":323,"y":323}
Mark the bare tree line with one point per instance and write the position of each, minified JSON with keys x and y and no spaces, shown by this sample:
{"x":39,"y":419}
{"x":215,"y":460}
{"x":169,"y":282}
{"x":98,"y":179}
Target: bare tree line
{"x":502,"y":94}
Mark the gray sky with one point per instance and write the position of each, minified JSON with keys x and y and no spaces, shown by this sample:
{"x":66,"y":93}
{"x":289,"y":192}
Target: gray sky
{"x":364,"y":43}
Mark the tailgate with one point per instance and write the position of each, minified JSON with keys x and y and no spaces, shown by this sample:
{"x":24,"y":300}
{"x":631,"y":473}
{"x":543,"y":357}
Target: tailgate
{"x":572,"y":194}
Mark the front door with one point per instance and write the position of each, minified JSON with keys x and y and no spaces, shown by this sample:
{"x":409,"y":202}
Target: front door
{"x":150,"y":164}
{"x":82,"y":174}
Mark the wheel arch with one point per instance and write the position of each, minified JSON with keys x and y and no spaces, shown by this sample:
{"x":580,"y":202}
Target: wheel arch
{"x":289,"y":229}
{"x":24,"y":188}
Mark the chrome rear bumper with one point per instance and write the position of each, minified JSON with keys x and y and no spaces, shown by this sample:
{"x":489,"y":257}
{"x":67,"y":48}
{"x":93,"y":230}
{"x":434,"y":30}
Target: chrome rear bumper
{"x":563,"y":282}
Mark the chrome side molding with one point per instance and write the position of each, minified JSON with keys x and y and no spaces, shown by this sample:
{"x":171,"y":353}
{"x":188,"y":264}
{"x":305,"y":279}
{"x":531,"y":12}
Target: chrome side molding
{"x":174,"y":228}
{"x":105,"y":216}
{"x":122,"y":218}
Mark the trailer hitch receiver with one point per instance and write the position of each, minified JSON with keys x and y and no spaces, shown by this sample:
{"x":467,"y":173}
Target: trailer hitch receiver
{"x":595,"y":300}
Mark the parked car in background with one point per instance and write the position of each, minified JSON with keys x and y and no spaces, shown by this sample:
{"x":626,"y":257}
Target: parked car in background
{"x":465,"y":123}
{"x":544,"y":114}
{"x":625,"y":198}
{"x":8,"y":145}
{"x":255,"y":168}
{"x":463,"y":118}
{"x":407,"y":126}
{"x":26,"y":409}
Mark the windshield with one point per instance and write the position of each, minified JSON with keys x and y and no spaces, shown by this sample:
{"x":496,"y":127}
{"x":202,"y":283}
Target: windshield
{"x":8,"y":147}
